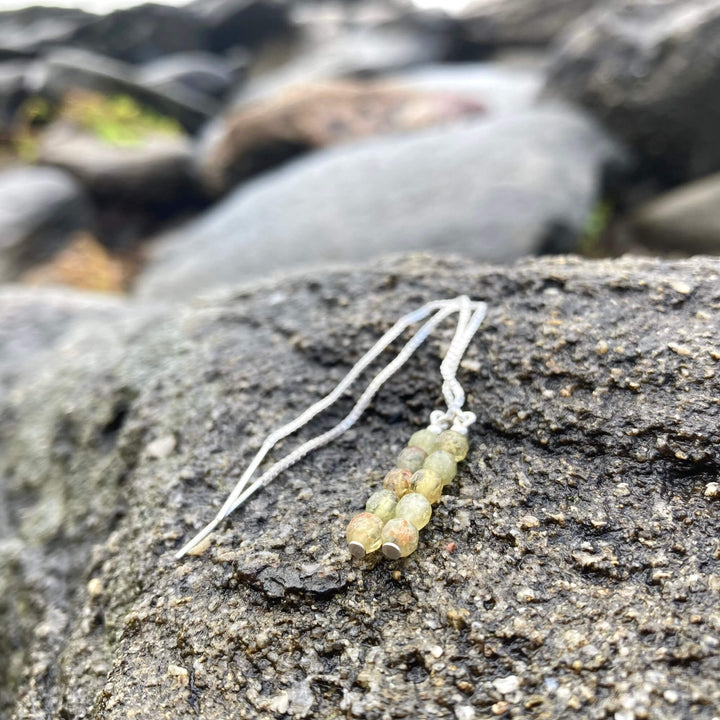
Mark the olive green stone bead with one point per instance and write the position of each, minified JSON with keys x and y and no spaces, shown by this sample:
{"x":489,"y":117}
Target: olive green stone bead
{"x":415,"y":508}
{"x":425,"y":439}
{"x":399,"y":538}
{"x":364,"y":534}
{"x":427,"y":483}
{"x":443,"y":463}
{"x":398,"y":481}
{"x":411,"y":458}
{"x":382,"y":503}
{"x":455,"y":443}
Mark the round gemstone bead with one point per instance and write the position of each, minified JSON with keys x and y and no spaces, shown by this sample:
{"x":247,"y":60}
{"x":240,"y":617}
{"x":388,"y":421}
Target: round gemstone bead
{"x":411,"y":458}
{"x":454,"y":442}
{"x":427,"y":483}
{"x":415,"y":508}
{"x":399,"y":538}
{"x":443,"y":463}
{"x":364,"y":533}
{"x":398,"y":481}
{"x":425,"y":439}
{"x":382,"y":503}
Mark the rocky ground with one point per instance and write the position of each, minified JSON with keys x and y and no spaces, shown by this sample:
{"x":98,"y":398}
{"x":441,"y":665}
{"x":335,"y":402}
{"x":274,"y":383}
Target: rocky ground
{"x":572,"y":570}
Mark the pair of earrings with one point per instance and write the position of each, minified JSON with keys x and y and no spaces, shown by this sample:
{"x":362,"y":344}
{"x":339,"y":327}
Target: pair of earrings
{"x":394,"y":515}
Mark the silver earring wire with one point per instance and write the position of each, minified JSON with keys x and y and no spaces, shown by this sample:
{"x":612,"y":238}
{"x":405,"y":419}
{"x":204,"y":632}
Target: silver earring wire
{"x":453,"y":393}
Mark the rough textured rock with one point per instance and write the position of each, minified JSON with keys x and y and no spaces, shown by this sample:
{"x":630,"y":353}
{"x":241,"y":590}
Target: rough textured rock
{"x":650,"y":72}
{"x":69,"y":68}
{"x":572,"y":568}
{"x":686,"y":219}
{"x":490,"y":189}
{"x":40,"y":208}
{"x":265,"y":134}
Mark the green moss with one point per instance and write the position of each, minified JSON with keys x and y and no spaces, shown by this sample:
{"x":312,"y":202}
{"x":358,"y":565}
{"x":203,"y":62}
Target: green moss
{"x":593,"y":234}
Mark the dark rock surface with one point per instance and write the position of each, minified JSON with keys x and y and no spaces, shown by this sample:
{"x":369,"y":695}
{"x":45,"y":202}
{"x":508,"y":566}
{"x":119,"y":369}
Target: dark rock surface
{"x":244,"y":23}
{"x":70,"y":68}
{"x":491,"y":190}
{"x":155,"y":174}
{"x":28,"y":31}
{"x":572,"y":568}
{"x":651,"y":72}
{"x":39,"y":209}
{"x":13,"y":91}
{"x":142,"y":33}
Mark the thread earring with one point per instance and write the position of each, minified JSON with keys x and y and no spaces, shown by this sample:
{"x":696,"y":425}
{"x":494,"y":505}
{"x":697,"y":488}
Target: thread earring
{"x":394,"y":514}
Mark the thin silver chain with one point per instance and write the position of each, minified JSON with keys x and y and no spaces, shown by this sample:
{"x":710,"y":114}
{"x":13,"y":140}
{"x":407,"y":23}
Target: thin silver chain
{"x":470,"y":317}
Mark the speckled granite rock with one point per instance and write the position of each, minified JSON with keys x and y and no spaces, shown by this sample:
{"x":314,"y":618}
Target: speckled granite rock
{"x":572,"y":570}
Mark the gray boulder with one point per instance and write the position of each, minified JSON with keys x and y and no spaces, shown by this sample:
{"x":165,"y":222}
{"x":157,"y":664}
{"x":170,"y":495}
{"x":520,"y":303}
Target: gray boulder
{"x":571,"y":568}
{"x":651,"y":72}
{"x":686,"y":219}
{"x":14,"y":91}
{"x":491,"y":190}
{"x":40,"y":208}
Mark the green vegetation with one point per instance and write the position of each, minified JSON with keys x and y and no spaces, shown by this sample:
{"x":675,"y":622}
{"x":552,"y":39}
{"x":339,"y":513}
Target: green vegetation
{"x":593,"y":234}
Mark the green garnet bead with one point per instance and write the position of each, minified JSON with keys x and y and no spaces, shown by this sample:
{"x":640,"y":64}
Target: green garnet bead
{"x":398,"y":481}
{"x":411,"y":458}
{"x":427,"y":483}
{"x":415,"y":508}
{"x":399,"y":538}
{"x":425,"y":439}
{"x":382,"y":503}
{"x":443,"y":463}
{"x":454,"y":442}
{"x":364,"y":534}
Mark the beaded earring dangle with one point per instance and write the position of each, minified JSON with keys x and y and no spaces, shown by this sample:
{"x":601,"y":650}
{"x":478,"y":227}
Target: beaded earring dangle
{"x":394,"y":515}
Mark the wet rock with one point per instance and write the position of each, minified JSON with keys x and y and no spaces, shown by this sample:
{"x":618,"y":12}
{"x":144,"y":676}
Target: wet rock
{"x":650,"y":72}
{"x":13,"y":91}
{"x":142,"y":33}
{"x":69,"y":69}
{"x":40,"y":209}
{"x":491,"y":190}
{"x":199,"y":72}
{"x":28,"y":31}
{"x":245,"y":23}
{"x":274,"y":616}
{"x":262,"y":135}
{"x":155,"y":174}
{"x":503,"y":23}
{"x":686,"y":219}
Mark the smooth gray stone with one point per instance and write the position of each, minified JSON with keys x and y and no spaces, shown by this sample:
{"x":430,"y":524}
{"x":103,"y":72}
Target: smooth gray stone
{"x":492,"y":190}
{"x":580,"y":532}
{"x":651,"y":72}
{"x":686,"y":219}
{"x":40,"y":208}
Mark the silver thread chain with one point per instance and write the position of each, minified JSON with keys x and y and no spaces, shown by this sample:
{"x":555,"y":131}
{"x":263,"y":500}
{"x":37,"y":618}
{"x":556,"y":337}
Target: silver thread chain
{"x":470,"y":317}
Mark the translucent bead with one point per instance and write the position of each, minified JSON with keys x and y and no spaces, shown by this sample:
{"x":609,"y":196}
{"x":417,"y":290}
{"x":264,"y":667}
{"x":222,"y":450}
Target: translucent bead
{"x":411,"y":458}
{"x":398,"y":481}
{"x":415,"y":508}
{"x":443,"y":463}
{"x":399,"y":538}
{"x":364,"y":534}
{"x":382,"y":503}
{"x":425,"y":439}
{"x":427,"y":483}
{"x":454,"y":442}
